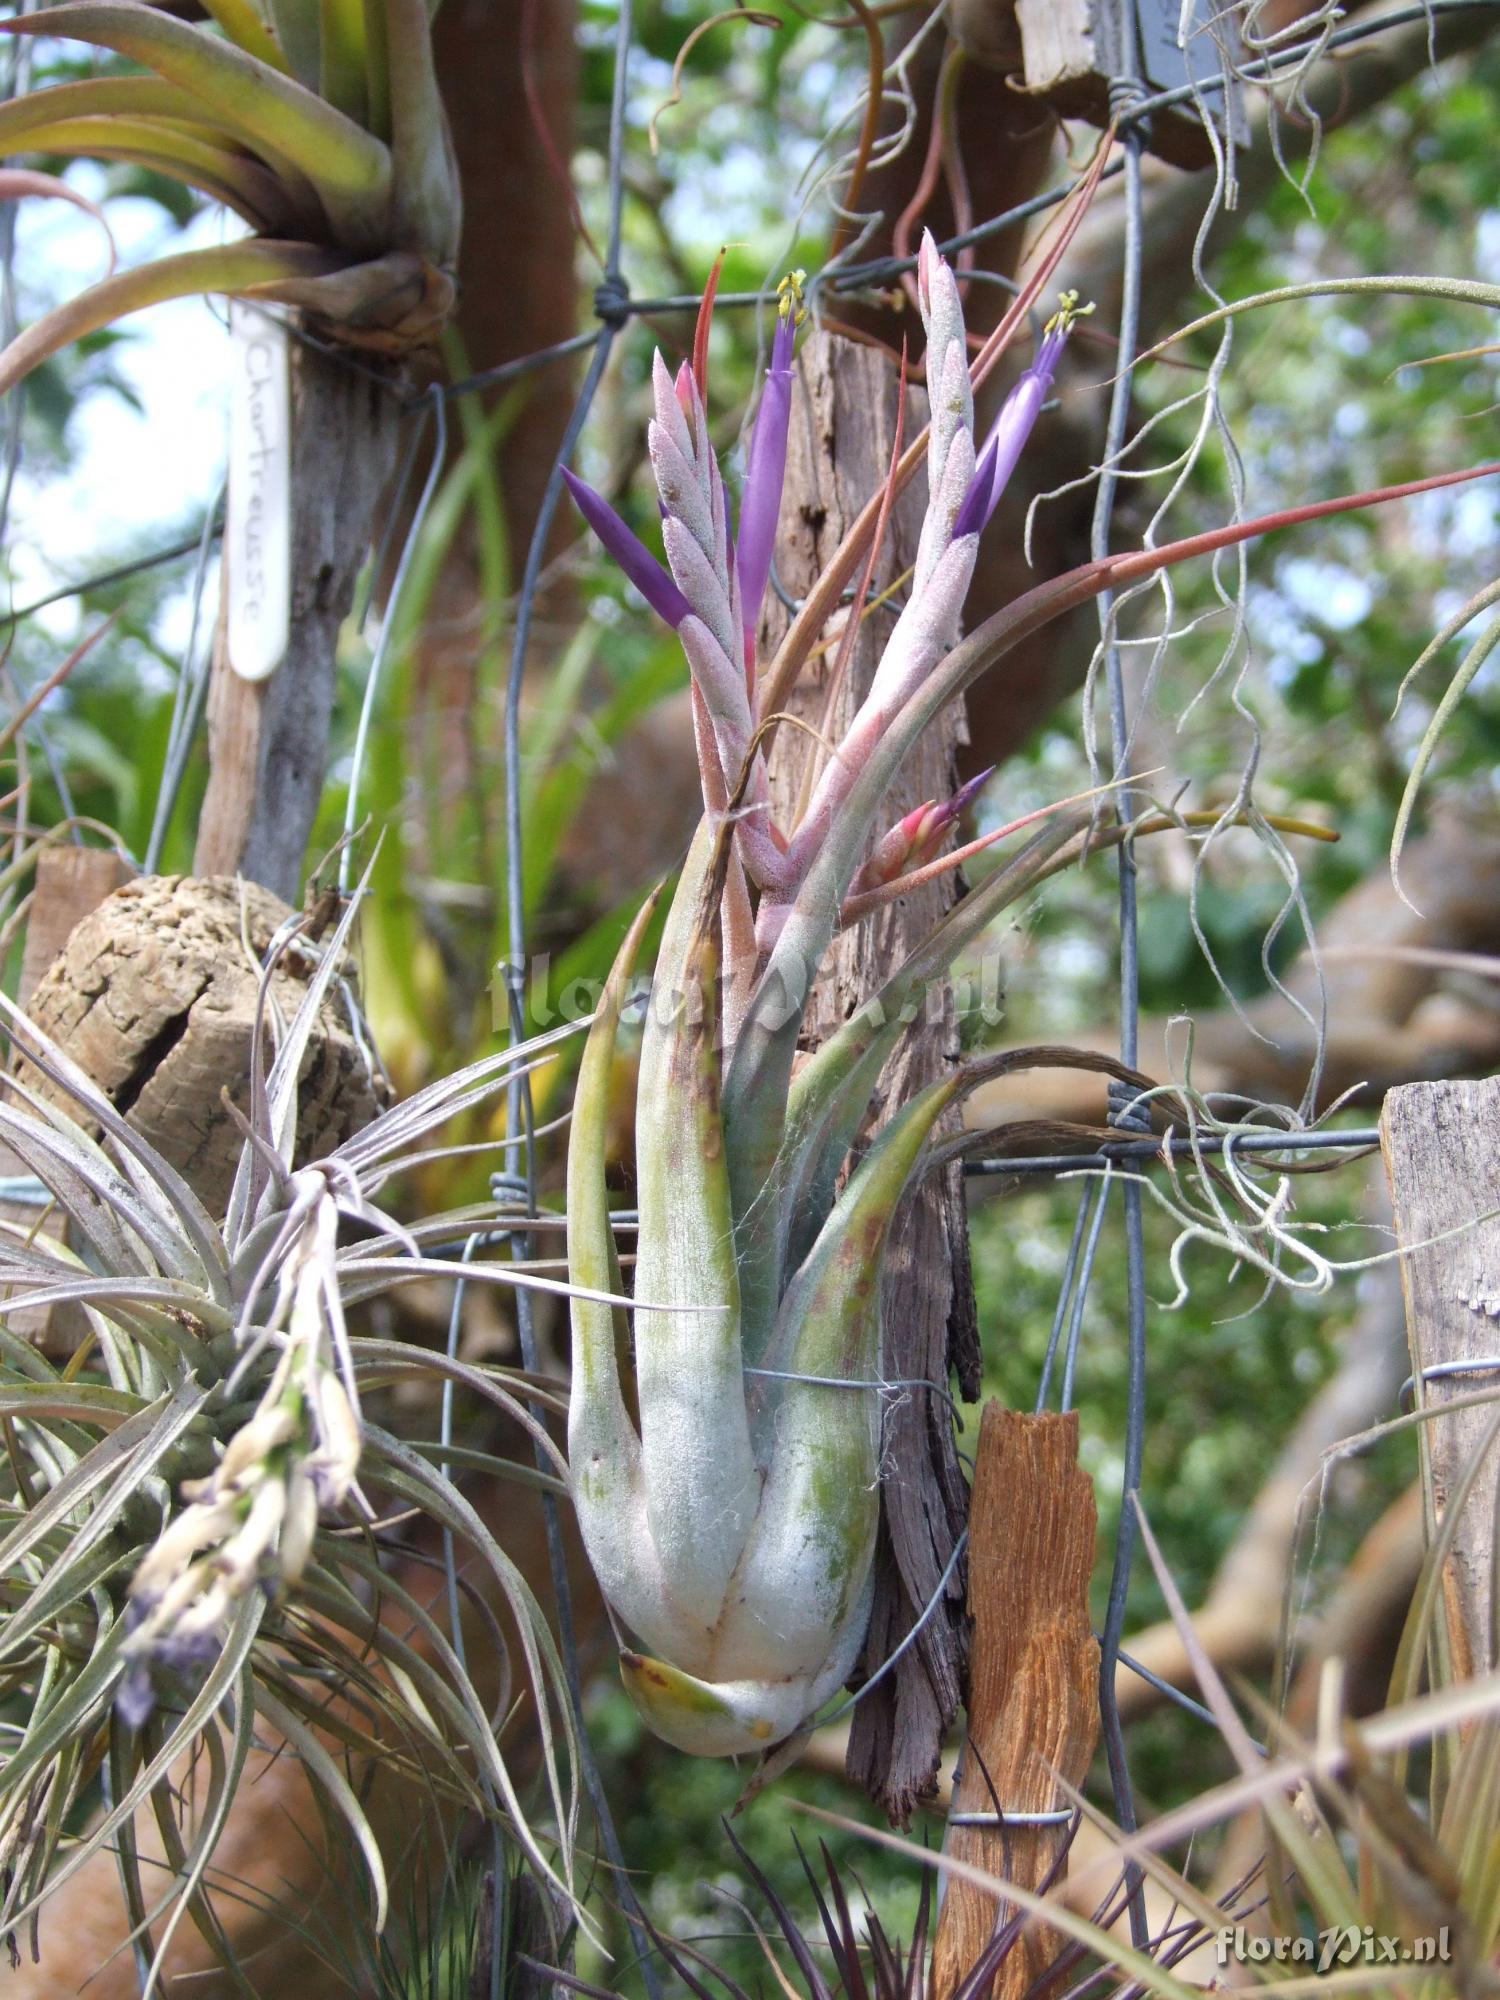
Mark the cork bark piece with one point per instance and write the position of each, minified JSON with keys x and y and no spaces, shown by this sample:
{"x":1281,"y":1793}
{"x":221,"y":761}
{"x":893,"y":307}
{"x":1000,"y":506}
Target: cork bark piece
{"x":154,"y":997}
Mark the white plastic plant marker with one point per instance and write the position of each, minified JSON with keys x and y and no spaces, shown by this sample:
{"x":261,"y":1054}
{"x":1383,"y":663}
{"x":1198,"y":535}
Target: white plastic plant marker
{"x":258,"y":516}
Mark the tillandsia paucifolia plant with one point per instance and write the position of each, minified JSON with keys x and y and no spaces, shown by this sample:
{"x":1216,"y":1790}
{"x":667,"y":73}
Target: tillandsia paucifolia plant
{"x":316,"y":121}
{"x":726,"y":1476}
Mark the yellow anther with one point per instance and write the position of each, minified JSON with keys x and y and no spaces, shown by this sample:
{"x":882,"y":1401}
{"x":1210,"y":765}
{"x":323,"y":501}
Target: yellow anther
{"x":789,"y":297}
{"x":1068,"y":310}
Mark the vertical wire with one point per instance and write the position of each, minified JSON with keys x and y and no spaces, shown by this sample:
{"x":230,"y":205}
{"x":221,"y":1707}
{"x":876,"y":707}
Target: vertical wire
{"x":18,"y":76}
{"x":1124,"y":89}
{"x":519,"y":1149}
{"x":17,"y":82}
{"x":1065,"y":1292}
{"x":1081,"y":1295}
{"x":187,"y":701}
{"x":437,"y":411}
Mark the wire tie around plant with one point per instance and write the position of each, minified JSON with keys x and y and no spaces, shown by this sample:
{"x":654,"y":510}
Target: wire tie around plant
{"x":856,"y":1382}
{"x":1441,"y":1370}
{"x":1126,"y":93}
{"x":1060,"y":1817}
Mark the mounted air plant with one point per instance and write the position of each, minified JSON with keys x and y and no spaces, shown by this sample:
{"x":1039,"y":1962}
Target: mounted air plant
{"x":318,"y":124}
{"x":731,"y":1522}
{"x":191,"y":1550}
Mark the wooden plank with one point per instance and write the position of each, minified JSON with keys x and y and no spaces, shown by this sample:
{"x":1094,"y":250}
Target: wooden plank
{"x":843,"y":423}
{"x":1034,"y":1680}
{"x":1441,"y":1143}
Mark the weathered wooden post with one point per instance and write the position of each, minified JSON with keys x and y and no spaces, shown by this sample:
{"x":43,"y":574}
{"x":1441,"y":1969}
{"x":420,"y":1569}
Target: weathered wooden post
{"x":1034,"y":1684}
{"x":268,"y":716}
{"x":1441,"y":1143}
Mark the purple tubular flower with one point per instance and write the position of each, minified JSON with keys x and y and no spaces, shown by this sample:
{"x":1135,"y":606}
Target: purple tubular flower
{"x":1013,"y":426}
{"x":967,"y":792}
{"x":629,"y":551}
{"x":760,"y":508}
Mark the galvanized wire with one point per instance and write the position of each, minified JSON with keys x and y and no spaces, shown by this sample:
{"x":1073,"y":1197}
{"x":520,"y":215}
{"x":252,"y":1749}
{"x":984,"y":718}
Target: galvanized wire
{"x":1125,"y":90}
{"x":612,"y":303}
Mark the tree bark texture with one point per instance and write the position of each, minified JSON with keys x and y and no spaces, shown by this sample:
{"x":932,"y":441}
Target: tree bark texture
{"x":1442,"y":1152}
{"x":843,"y":422}
{"x":268,"y":740}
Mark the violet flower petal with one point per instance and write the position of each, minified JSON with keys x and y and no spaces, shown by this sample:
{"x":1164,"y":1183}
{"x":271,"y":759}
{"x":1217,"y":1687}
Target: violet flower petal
{"x":629,"y":551}
{"x":1013,"y":426}
{"x":760,"y":507}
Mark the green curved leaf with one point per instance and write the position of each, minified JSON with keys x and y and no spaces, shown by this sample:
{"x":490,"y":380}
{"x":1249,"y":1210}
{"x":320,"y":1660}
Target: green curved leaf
{"x":241,"y":22}
{"x":101,"y":97}
{"x":162,"y":103}
{"x":242,"y":184}
{"x":256,"y":266}
{"x":341,"y":57}
{"x":350,"y":169}
{"x":424,"y":182}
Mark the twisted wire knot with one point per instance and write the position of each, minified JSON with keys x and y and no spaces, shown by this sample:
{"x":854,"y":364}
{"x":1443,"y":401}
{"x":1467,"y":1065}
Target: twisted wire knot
{"x":1126,"y":1108}
{"x":1125,"y":93}
{"x":612,"y":300}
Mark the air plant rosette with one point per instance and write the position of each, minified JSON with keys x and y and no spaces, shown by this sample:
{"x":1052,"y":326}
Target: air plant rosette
{"x":724,"y":1437}
{"x":317,"y":122}
{"x":192,"y":1511}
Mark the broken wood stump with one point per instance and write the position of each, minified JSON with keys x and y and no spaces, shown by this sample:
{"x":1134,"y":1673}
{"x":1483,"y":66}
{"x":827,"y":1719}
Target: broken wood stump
{"x":154,"y":996}
{"x":1441,"y":1143}
{"x":1034,"y":1683}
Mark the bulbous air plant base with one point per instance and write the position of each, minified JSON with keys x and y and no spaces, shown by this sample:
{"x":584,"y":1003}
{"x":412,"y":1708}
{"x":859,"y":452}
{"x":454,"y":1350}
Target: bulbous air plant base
{"x":736,"y":1718}
{"x":393,"y":305}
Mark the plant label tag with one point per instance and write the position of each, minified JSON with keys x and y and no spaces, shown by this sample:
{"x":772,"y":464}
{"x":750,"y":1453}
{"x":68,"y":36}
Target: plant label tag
{"x":258,"y":509}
